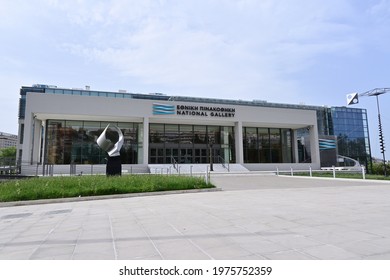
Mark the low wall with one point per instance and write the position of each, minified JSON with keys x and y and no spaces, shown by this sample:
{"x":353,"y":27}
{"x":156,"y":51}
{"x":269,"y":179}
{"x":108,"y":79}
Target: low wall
{"x":77,"y":169}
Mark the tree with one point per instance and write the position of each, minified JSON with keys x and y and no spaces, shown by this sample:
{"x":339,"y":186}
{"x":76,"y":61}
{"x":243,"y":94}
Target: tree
{"x":377,"y":168}
{"x":7,"y":155}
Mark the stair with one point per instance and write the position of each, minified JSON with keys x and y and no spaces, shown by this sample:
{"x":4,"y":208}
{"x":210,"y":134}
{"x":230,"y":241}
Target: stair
{"x":195,"y":168}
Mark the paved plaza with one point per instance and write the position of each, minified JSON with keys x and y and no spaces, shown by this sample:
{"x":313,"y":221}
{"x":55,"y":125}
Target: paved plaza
{"x":253,"y":217}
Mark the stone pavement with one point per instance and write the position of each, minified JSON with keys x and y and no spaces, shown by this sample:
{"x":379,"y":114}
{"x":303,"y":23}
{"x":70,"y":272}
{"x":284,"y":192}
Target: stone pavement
{"x":254,"y":217}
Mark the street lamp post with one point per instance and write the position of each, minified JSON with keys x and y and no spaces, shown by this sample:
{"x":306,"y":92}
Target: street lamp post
{"x":381,"y":140}
{"x":354,"y":99}
{"x":211,"y":154}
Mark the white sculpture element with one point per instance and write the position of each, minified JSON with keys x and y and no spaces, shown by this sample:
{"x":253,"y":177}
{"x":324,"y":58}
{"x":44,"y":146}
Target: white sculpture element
{"x":107,"y":145}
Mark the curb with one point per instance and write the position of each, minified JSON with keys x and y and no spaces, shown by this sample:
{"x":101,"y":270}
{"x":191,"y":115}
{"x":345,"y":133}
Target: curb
{"x":339,"y":179}
{"x":102,"y":197}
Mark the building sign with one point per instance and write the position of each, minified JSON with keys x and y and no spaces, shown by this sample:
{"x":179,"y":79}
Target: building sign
{"x":163,"y":109}
{"x":327,"y":144}
{"x":187,"y":110}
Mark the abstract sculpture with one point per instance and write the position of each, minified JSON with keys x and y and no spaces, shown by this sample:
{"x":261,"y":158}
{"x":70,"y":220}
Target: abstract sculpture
{"x":114,"y":165}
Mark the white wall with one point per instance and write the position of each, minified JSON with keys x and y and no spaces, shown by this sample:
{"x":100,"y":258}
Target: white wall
{"x":72,"y":107}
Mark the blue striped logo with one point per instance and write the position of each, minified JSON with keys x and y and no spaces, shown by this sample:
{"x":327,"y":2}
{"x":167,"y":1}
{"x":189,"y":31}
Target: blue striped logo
{"x":327,"y":144}
{"x":162,"y":109}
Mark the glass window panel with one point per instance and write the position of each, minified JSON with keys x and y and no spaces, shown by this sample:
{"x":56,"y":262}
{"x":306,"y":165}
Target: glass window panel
{"x":286,"y":146}
{"x":186,"y":134}
{"x":54,"y":143}
{"x":200,"y":134}
{"x":172,"y":133}
{"x":156,"y":133}
{"x":227,"y":135}
{"x":263,"y":134}
{"x":251,"y":137}
{"x":214,"y":134}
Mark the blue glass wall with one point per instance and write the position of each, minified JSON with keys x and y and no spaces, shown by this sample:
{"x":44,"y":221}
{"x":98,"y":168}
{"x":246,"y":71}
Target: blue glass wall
{"x":350,"y":125}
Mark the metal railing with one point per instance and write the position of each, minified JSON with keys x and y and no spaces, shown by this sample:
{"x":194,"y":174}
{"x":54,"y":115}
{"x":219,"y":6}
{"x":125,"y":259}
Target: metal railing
{"x":225,"y":164}
{"x":8,"y":166}
{"x":175,"y":164}
{"x":331,"y":172}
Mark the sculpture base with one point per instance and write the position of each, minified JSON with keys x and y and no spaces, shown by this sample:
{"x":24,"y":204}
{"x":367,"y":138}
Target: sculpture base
{"x":114,"y":166}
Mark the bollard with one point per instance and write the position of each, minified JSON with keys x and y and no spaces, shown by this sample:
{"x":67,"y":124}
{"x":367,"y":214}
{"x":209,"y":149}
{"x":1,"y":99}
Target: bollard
{"x":191,"y":170}
{"x":311,"y":172}
{"x":334,"y":171}
{"x":292,"y":172}
{"x":363,"y":173}
{"x":277,"y":171}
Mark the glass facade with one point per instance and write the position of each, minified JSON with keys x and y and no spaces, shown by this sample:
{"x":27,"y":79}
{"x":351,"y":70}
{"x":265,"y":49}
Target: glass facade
{"x":351,"y":128}
{"x":75,"y":142}
{"x":267,"y":145}
{"x":190,"y":143}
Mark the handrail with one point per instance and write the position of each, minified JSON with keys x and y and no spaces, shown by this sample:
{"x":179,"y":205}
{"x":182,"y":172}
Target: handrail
{"x":225,"y":164}
{"x":175,"y":164}
{"x":356,"y":163}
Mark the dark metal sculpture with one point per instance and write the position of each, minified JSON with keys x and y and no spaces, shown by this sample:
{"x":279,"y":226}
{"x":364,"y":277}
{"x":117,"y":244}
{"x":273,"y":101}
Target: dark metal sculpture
{"x":114,"y":165}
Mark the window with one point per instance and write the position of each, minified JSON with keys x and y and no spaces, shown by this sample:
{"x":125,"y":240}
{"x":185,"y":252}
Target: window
{"x":75,"y":142}
{"x":267,"y":145}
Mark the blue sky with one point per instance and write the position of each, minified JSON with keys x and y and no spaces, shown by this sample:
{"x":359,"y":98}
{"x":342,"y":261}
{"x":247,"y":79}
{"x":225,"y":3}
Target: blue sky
{"x":288,"y":51}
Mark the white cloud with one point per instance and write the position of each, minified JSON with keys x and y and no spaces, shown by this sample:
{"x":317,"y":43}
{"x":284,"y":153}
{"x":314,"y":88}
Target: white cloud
{"x":203,"y":47}
{"x":230,"y":46}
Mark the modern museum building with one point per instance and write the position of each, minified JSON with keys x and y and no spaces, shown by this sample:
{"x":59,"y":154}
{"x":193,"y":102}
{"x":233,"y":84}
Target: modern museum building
{"x":58,"y":127}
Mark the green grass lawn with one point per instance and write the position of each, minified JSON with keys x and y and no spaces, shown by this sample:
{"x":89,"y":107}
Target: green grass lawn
{"x":60,"y":187}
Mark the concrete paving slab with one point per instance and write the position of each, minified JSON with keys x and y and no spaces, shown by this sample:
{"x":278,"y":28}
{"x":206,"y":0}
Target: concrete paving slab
{"x":253,"y":217}
{"x":289,"y":255}
{"x":330,"y":252}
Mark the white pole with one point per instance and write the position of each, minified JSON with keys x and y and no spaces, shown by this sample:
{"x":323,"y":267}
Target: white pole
{"x":363,"y":173}
{"x":207,"y":174}
{"x":277,"y":171}
{"x":292,"y":172}
{"x":334,"y":171}
{"x":311,"y":172}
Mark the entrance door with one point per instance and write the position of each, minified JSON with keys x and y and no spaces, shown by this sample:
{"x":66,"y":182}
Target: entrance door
{"x":186,"y":155}
{"x":170,"y":154}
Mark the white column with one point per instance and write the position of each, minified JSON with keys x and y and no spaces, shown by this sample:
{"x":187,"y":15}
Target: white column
{"x":314,"y":147}
{"x":239,"y":142}
{"x":27,"y":140}
{"x":35,"y":140}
